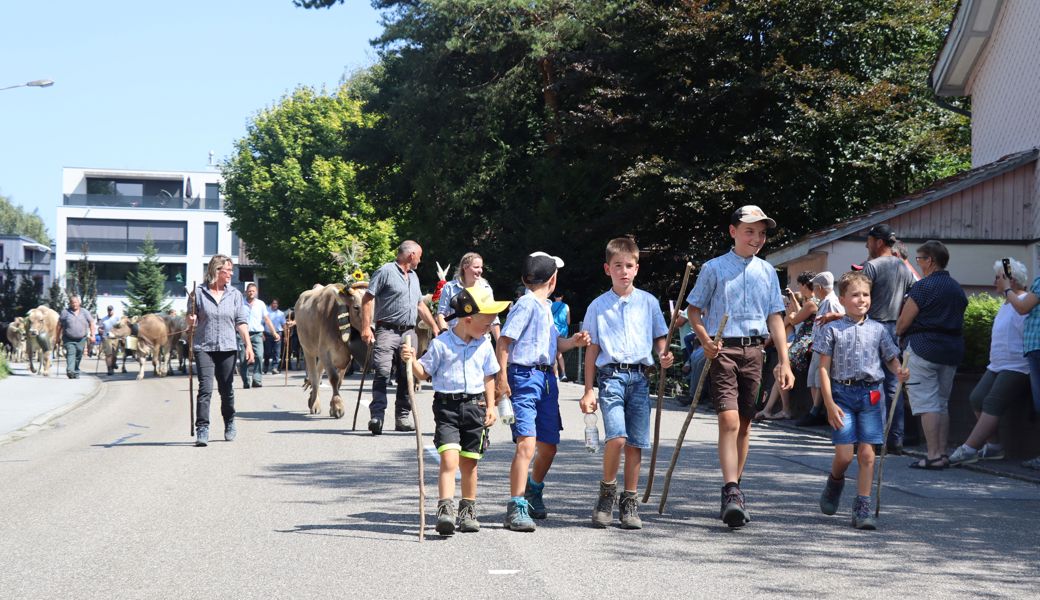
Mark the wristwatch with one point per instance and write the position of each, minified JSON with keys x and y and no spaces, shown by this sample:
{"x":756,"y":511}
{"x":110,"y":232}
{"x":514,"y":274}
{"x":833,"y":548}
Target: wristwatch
{"x":1006,"y":290}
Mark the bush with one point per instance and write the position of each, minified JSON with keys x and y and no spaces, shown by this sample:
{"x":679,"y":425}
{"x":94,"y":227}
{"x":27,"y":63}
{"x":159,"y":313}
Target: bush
{"x":978,"y":325}
{"x":4,"y":369}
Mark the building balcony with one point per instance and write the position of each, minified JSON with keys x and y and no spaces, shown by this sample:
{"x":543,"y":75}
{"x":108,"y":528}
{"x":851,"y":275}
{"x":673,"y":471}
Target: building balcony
{"x":121,"y":201}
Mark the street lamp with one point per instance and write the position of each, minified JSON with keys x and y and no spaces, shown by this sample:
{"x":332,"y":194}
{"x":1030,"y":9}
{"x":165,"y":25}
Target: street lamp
{"x":33,"y":83}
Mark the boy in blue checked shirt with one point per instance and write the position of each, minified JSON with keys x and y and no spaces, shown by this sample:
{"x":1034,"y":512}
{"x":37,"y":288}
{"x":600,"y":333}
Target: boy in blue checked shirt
{"x":746,"y":288}
{"x":851,"y":352}
{"x":461,"y":363}
{"x":526,"y":352}
{"x":625,"y":326}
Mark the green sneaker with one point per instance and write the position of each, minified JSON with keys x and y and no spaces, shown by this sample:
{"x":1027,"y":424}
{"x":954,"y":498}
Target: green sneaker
{"x":517,"y":517}
{"x":533,"y":495}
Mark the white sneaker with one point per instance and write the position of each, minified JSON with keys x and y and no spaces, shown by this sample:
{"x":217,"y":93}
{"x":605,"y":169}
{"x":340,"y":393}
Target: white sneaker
{"x":1032,"y":463}
{"x":988,"y":452}
{"x":964,"y":455}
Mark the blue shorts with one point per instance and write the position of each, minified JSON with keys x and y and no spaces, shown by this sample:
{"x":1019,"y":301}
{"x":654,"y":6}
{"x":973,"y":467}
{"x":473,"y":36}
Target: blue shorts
{"x":536,"y":403}
{"x":624,"y":400}
{"x":864,"y":414}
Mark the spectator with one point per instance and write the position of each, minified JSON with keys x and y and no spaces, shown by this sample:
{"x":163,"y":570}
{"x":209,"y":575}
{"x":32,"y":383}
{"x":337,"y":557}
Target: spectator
{"x":932,"y":320}
{"x":252,"y":373}
{"x":273,"y":342}
{"x":798,"y":341}
{"x":469,"y":273}
{"x":1007,"y":375}
{"x":561,"y":314}
{"x":1028,"y":305}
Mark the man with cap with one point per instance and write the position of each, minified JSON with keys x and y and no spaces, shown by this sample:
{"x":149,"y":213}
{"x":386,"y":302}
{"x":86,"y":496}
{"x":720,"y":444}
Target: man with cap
{"x":393,"y":303}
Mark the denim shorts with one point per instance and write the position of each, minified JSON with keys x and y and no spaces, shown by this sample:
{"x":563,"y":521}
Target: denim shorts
{"x":864,"y":414}
{"x":536,"y":403}
{"x":624,"y":400}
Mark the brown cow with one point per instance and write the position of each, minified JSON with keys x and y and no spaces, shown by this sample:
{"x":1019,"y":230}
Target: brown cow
{"x":16,"y":339}
{"x":177,"y":329}
{"x":152,"y":335}
{"x":327,"y":318}
{"x":41,"y":327}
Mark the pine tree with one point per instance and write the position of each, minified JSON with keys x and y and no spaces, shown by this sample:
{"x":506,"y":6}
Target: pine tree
{"x":83,"y":281}
{"x":27,"y":297}
{"x":8,"y":301}
{"x":146,"y":287}
{"x":56,"y":296}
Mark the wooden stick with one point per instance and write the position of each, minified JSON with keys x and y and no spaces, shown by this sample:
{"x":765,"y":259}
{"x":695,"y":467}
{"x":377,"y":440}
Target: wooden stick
{"x":686,"y":425}
{"x":287,"y":340}
{"x":361,"y":387}
{"x":418,"y":442}
{"x":660,"y":385}
{"x":191,"y":357}
{"x":884,"y":440}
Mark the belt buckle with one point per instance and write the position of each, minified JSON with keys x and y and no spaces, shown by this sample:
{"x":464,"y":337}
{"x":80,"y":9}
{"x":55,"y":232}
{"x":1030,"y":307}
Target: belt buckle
{"x":745,"y":341}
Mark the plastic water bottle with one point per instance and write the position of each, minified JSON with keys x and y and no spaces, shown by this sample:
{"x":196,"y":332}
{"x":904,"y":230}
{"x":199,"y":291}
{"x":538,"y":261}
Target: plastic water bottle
{"x":505,"y":410}
{"x":591,"y":432}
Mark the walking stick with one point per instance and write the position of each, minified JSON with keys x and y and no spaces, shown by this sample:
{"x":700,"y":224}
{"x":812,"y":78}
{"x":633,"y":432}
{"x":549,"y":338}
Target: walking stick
{"x":660,"y":386}
{"x":191,"y":357}
{"x":418,"y":442}
{"x":287,"y":340}
{"x":686,"y":425}
{"x":361,"y":388}
{"x":884,"y":440}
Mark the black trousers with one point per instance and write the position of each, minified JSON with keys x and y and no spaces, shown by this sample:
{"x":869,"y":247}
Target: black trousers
{"x":219,"y":366}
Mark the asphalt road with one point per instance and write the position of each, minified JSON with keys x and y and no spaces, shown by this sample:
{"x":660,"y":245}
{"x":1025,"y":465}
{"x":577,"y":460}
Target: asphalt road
{"x":113,"y":501}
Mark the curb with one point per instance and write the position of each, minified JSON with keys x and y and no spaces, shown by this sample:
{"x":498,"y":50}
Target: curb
{"x":41,"y":421}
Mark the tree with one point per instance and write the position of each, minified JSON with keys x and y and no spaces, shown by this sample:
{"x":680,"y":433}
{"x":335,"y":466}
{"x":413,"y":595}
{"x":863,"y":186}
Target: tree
{"x":82,"y":280}
{"x":146,"y":285}
{"x":27,"y":298}
{"x":14,"y":220}
{"x":8,"y":299}
{"x":293,"y":197}
{"x":56,"y":296}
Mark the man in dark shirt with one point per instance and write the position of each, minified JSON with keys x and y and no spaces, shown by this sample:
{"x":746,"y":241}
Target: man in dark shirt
{"x":74,"y":325}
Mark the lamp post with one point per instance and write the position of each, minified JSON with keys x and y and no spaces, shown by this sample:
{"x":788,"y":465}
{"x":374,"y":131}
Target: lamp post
{"x":34,"y":83}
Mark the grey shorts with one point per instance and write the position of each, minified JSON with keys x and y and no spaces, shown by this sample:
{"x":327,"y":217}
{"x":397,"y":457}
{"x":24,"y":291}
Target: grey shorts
{"x":996,"y":391}
{"x":929,"y":386}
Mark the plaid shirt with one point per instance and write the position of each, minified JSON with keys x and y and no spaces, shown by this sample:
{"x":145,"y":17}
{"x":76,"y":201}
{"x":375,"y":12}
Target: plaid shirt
{"x":1031,"y":331}
{"x":856,"y":349}
{"x":747,"y":289}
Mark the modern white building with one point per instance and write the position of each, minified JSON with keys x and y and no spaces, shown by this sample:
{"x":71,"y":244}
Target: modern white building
{"x":107,"y":214}
{"x":26,"y":256}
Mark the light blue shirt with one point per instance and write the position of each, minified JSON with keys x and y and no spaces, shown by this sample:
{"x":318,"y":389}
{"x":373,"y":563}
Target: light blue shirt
{"x":277,"y":319}
{"x":257,"y":310}
{"x":459,"y":367}
{"x":747,"y":289}
{"x":530,"y":325}
{"x":856,"y":349}
{"x":452,"y":289}
{"x":625,"y":328}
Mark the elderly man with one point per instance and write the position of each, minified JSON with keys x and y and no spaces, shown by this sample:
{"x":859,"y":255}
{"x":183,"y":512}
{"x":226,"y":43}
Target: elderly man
{"x":74,"y":325}
{"x":393,"y":303}
{"x":252,"y":373}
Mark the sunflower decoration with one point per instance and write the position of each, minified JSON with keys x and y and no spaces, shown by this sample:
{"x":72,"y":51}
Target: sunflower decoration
{"x":350,"y":258}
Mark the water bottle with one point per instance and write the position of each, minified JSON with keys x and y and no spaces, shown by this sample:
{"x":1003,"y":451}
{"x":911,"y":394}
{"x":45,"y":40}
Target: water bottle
{"x":591,"y":432}
{"x":505,"y":410}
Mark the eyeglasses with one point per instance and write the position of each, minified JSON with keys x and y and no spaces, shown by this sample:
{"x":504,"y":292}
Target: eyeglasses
{"x":923,"y":258}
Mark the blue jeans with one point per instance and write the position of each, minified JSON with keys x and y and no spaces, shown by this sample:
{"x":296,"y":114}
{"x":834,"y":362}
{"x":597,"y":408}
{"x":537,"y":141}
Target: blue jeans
{"x":73,"y":354}
{"x":252,"y":373}
{"x":895,"y":434}
{"x":697,"y":362}
{"x":624,"y":400}
{"x":864,"y":422}
{"x":536,"y":402}
{"x":1034,"y":377}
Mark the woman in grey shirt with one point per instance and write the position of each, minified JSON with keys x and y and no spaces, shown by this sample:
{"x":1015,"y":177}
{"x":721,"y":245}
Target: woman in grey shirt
{"x":219,"y":312}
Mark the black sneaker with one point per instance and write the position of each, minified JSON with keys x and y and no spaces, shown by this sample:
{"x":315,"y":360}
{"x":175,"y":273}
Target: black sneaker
{"x":603,"y":513}
{"x":734,"y":513}
{"x":375,"y":426}
{"x":468,"y":516}
{"x":628,"y":506}
{"x":831,"y":495}
{"x":446,"y":517}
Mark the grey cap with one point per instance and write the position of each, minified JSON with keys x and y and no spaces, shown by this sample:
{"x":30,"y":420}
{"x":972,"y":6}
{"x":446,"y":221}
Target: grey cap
{"x":824,"y":279}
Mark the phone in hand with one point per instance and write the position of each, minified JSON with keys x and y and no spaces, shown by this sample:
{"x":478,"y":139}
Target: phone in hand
{"x":1007,"y":268}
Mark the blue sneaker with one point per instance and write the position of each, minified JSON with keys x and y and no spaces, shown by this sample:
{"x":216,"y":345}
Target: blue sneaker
{"x":230,"y":431}
{"x":533,"y":495}
{"x":202,"y":436}
{"x":517,"y":518}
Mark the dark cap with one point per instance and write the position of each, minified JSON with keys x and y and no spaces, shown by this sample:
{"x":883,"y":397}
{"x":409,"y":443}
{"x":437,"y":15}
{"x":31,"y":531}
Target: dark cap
{"x":539,"y":267}
{"x":883,"y":232}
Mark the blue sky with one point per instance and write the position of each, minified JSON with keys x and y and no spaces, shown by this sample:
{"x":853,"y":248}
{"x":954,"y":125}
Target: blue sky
{"x":155,"y":85}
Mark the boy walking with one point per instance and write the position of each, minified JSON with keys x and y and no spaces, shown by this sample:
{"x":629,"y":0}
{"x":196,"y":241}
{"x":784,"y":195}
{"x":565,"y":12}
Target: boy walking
{"x":526,"y":352}
{"x":462,"y":365}
{"x":851,"y":352}
{"x":746,"y":288}
{"x":625,"y":325}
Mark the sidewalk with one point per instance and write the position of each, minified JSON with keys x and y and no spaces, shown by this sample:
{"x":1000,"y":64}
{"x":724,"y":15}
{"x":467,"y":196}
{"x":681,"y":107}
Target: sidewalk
{"x":28,"y":402}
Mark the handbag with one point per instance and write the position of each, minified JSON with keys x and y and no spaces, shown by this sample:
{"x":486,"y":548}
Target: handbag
{"x":800,"y":350}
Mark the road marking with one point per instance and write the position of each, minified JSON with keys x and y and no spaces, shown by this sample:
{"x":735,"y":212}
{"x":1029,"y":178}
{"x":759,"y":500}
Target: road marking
{"x":139,"y":426}
{"x":503,"y":571}
{"x":129,"y":436}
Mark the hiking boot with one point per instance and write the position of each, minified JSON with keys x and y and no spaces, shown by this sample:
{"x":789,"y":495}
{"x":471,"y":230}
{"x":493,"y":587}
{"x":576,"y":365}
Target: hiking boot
{"x":533,"y":495}
{"x":861,"y":514}
{"x":517,"y":517}
{"x":734,"y":513}
{"x":202,"y":436}
{"x":988,"y":452}
{"x":628,"y":507}
{"x":831,"y":496}
{"x":603,"y":513}
{"x":403,"y":424}
{"x":230,"y":431}
{"x":964,"y":455}
{"x":468,"y":516}
{"x":446,"y":517}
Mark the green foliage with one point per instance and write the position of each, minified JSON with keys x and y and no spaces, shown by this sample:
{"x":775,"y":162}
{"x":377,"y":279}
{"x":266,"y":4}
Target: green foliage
{"x":293,"y":196}
{"x":56,"y":297}
{"x":978,"y":327}
{"x":146,"y":285}
{"x":5,"y":369}
{"x":26,"y":298}
{"x":82,"y":280}
{"x":8,"y":290}
{"x":14,"y":220}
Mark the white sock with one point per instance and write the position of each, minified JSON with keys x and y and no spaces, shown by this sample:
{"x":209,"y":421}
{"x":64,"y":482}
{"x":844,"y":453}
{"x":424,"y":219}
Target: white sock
{"x":969,"y":449}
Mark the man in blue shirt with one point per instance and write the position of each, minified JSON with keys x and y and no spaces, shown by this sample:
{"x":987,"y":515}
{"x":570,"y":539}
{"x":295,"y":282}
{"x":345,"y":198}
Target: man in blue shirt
{"x":273,"y":344}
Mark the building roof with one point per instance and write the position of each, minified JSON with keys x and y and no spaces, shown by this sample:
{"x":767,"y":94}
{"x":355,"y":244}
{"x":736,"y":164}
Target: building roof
{"x":26,"y":241}
{"x":939,"y":190}
{"x":973,"y":24}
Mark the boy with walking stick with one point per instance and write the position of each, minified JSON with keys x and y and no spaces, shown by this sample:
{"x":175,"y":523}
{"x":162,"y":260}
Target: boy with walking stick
{"x":746,"y":288}
{"x":625,"y":328}
{"x":461,"y":363}
{"x":851,"y":352}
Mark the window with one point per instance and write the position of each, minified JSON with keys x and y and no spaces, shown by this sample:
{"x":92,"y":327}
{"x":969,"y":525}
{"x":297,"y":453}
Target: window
{"x":210,"y":242}
{"x":28,"y":255}
{"x":2,"y":252}
{"x":122,"y":236}
{"x":38,"y":283}
{"x":212,"y":196}
{"x":111,"y":277}
{"x":234,"y":244}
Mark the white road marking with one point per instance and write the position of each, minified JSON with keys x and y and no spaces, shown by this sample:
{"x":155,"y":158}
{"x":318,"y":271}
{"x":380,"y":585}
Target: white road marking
{"x":503,"y":571}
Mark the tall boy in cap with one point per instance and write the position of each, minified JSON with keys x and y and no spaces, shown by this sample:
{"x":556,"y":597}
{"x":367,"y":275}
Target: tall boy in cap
{"x":746,"y":288}
{"x":526,"y":352}
{"x":461,"y":363}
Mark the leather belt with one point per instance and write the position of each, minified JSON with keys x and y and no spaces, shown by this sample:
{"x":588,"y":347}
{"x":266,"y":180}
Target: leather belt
{"x":393,"y":327}
{"x":459,"y":397}
{"x":639,"y":367}
{"x":856,"y":382}
{"x":542,"y":368}
{"x":742,"y":342}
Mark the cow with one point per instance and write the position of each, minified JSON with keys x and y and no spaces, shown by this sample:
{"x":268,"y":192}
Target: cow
{"x":14,"y":337}
{"x":41,"y":327}
{"x":152,"y":335}
{"x":328,"y":318}
{"x":177,"y":329}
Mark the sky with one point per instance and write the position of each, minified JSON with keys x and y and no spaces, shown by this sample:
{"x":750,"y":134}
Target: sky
{"x":155,"y":85}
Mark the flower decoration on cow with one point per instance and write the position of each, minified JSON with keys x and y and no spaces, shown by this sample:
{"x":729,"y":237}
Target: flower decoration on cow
{"x":442,"y":278}
{"x":350,"y":258}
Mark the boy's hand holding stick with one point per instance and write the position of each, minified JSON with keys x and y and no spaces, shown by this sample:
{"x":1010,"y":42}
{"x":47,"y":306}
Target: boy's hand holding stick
{"x":408,"y":358}
{"x":888,"y":425}
{"x":661,"y":382}
{"x":693,"y":407}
